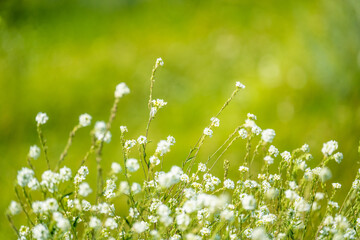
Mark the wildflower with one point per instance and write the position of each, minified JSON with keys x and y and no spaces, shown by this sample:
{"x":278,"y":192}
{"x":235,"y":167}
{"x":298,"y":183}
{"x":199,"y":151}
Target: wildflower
{"x":338,"y":157}
{"x":325,"y":174}
{"x":243,"y":133}
{"x":142,"y":140}
{"x":273,"y":151}
{"x":65,"y":174}
{"x":243,"y":169}
{"x":229,"y":184}
{"x":208,"y":132}
{"x":121,"y":90}
{"x":159,"y":62}
{"x":329,"y":147}
{"x":183,"y":220}
{"x":205,"y":231}
{"x":132,"y":165}
{"x":248,"y":202}
{"x":305,"y":148}
{"x":110,"y":223}
{"x":109,"y":189}
{"x":154,"y":160}
{"x":94,"y":223}
{"x":319,"y":196}
{"x":81,"y":174}
{"x":202,"y":167}
{"x":41,"y":118}
{"x":116,"y":167}
{"x":85,"y":120}
{"x":163,"y":147}
{"x":140,"y":227}
{"x":215,"y":122}
{"x":168,"y":179}
{"x":239,"y":85}
{"x":135,"y":188}
{"x":256,"y":130}
{"x":286,"y":156}
{"x":269,"y":160}
{"x":129,"y":144}
{"x":84,"y":189}
{"x":259,"y":234}
{"x":336,"y":185}
{"x":24,"y":176}
{"x":123,"y":129}
{"x":34,"y":152}
{"x":301,"y":205}
{"x":40,"y":232}
{"x":268,"y":135}
{"x":227,"y":215}
{"x":14,"y":208}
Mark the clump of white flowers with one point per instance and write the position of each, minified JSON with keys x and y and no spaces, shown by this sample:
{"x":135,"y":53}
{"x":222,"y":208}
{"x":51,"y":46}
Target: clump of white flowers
{"x":182,"y":202}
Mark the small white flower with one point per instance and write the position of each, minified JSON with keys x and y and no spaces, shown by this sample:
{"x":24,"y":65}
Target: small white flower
{"x":229,"y":184}
{"x":132,"y":165}
{"x":65,"y":174}
{"x":116,"y":167}
{"x":305,"y":148}
{"x":268,"y":135}
{"x":259,"y":234}
{"x":85,"y":120}
{"x":121,"y":90}
{"x":240,"y":85}
{"x":286,"y":156}
{"x":163,"y":147}
{"x":135,"y":188}
{"x":41,"y":118}
{"x":94,"y":223}
{"x":123,"y":129}
{"x":24,"y":176}
{"x":140,"y":227}
{"x":159,"y":62}
{"x":243,"y":133}
{"x":243,"y":169}
{"x":273,"y":151}
{"x":338,"y":157}
{"x":269,"y":160}
{"x":336,"y":185}
{"x":124,"y":187}
{"x":84,"y":189}
{"x":329,"y":147}
{"x":111,"y":223}
{"x":40,"y":232}
{"x":248,"y":202}
{"x":142,"y":140}
{"x":14,"y":208}
{"x":154,"y":160}
{"x":325,"y":174}
{"x":34,"y":152}
{"x":215,"y":122}
{"x":202,"y":167}
{"x":208,"y":132}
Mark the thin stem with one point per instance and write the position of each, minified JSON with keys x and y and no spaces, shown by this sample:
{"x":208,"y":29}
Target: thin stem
{"x":68,"y":144}
{"x":43,"y":144}
{"x":23,"y":206}
{"x":13,"y":225}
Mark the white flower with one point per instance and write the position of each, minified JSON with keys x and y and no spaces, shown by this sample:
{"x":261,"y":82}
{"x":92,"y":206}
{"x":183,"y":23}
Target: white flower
{"x":132,"y":165}
{"x":159,"y":62}
{"x":205,"y":231}
{"x":243,"y":169}
{"x":142,"y":140}
{"x":140,"y":227}
{"x":34,"y":152}
{"x":329,"y":147}
{"x":269,"y":160}
{"x":154,"y":160}
{"x":229,"y":184}
{"x":239,"y":85}
{"x":268,"y":135}
{"x":163,"y":147}
{"x":259,"y":234}
{"x":286,"y":156}
{"x":129,"y":144}
{"x":85,"y":120}
{"x":123,"y":129}
{"x":65,"y":174}
{"x":101,"y":132}
{"x":305,"y":148}
{"x":34,"y":184}
{"x":81,"y":174}
{"x":110,"y":223}
{"x":183,"y":220}
{"x":135,"y":188}
{"x":325,"y":174}
{"x":121,"y":90}
{"x":248,"y":202}
{"x":291,"y":195}
{"x":202,"y":167}
{"x":24,"y":176}
{"x":94,"y":223}
{"x":109,"y":189}
{"x":273,"y":151}
{"x":84,"y":189}
{"x":116,"y":167}
{"x":50,"y":180}
{"x":124,"y":187}
{"x":208,"y":132}
{"x":301,"y":205}
{"x":14,"y":208}
{"x":338,"y":157}
{"x":215,"y":122}
{"x":256,"y":130}
{"x":40,"y":232}
{"x":51,"y":205}
{"x":336,"y":185}
{"x":41,"y":118}
{"x":171,"y":140}
{"x":243,"y":133}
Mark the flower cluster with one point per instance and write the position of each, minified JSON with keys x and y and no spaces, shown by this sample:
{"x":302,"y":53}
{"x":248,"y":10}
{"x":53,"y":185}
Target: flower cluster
{"x":295,"y":202}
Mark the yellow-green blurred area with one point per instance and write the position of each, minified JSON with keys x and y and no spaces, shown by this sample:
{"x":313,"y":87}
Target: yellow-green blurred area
{"x":299,"y":60}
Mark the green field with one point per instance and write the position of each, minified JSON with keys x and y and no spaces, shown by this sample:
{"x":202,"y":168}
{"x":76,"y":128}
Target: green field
{"x":299,"y":60}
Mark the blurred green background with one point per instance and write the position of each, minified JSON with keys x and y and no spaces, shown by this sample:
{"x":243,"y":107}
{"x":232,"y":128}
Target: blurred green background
{"x":299,"y":60}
